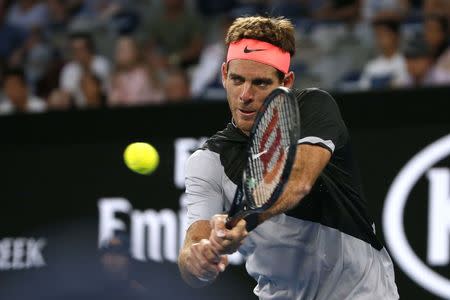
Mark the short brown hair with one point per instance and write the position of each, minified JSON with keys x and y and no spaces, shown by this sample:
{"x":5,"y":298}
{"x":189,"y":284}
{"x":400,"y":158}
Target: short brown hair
{"x":276,"y":31}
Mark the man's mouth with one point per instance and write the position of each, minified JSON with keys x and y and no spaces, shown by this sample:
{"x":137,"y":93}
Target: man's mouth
{"x":247,"y":112}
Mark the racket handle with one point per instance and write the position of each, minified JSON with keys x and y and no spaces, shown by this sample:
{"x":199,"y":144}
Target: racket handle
{"x":231,"y":222}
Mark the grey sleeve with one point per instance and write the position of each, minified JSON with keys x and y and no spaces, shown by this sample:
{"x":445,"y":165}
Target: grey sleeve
{"x":203,"y":186}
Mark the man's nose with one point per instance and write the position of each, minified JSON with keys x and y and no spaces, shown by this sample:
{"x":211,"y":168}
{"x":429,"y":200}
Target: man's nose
{"x":247,"y":93}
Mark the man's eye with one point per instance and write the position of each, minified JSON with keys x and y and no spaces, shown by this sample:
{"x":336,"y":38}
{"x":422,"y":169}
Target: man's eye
{"x":261,"y":83}
{"x":237,"y":80}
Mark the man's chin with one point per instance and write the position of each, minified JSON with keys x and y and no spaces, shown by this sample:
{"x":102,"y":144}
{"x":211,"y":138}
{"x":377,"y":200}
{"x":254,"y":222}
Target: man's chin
{"x":245,"y":126}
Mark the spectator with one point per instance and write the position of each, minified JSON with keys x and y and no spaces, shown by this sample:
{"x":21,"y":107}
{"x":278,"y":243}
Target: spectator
{"x":206,"y":76}
{"x":59,"y":13}
{"x":58,"y":22}
{"x":175,"y":36}
{"x":28,"y":14}
{"x":115,"y":15}
{"x":131,"y":82}
{"x":389,"y":68}
{"x":333,"y":23}
{"x":176,"y":86}
{"x":373,"y":10}
{"x":11,"y":36}
{"x":436,"y":32}
{"x":346,"y":11}
{"x":91,"y":87}
{"x":48,"y":81}
{"x":117,"y":268}
{"x":84,"y":59}
{"x":210,"y":8}
{"x":36,"y":57}
{"x":419,"y":61}
{"x":437,"y":7}
{"x":59,"y":100}
{"x":290,"y":8}
{"x":17,"y":97}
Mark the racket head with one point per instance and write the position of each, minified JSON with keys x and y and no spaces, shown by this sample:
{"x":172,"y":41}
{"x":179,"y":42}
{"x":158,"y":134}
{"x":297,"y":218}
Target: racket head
{"x":271,"y":149}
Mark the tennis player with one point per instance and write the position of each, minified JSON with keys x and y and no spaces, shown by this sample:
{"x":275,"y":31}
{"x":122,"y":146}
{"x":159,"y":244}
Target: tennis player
{"x":317,"y":241}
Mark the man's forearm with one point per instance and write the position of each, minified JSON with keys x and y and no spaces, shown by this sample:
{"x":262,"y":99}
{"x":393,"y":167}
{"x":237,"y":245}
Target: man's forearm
{"x":309,"y":163}
{"x":187,"y":276}
{"x":293,"y":193}
{"x":193,"y":258}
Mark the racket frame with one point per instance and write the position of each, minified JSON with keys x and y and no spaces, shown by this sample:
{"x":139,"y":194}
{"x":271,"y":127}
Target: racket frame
{"x":243,"y":204}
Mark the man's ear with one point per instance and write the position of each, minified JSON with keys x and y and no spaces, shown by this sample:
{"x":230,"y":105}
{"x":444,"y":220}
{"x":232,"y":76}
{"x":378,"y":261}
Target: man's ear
{"x":289,"y":79}
{"x":224,"y":73}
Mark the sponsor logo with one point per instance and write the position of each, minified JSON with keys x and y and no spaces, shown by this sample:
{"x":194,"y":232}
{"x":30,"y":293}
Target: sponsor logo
{"x":255,"y":156}
{"x":154,"y":235}
{"x":438,"y":243}
{"x":21,"y":253}
{"x":246,"y":50}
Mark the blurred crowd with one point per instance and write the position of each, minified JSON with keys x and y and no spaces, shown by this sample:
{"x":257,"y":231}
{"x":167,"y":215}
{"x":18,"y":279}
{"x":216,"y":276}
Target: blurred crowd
{"x":81,"y":54}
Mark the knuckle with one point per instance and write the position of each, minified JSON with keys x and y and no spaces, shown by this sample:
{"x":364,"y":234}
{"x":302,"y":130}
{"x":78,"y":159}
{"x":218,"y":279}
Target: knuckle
{"x":204,"y":241}
{"x":194,"y":248}
{"x":233,"y":236}
{"x":203,"y":264}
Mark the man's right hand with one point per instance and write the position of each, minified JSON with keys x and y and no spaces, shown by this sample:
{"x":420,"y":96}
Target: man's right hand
{"x":204,"y":262}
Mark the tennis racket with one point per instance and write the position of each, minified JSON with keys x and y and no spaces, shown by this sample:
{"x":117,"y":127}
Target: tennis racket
{"x":270,"y":155}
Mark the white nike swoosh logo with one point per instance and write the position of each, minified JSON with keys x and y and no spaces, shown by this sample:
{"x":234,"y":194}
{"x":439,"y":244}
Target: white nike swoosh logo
{"x":255,"y":156}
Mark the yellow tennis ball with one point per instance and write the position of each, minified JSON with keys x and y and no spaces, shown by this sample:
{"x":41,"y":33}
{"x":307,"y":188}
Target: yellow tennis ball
{"x":141,"y":158}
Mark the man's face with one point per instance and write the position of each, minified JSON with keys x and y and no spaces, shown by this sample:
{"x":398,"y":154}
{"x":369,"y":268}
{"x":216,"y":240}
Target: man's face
{"x":247,"y":84}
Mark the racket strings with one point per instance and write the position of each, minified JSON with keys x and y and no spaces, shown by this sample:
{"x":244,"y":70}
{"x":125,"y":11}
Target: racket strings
{"x":269,"y":150}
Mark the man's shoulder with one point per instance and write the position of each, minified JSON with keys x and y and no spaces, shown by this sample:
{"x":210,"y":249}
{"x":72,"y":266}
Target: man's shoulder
{"x":203,"y":161}
{"x":230,"y":137}
{"x":315,"y":95}
{"x":203,"y":156}
{"x":311,"y":92}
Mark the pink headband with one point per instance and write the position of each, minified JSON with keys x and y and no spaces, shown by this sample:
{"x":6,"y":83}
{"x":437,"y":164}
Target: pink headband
{"x":261,"y":52}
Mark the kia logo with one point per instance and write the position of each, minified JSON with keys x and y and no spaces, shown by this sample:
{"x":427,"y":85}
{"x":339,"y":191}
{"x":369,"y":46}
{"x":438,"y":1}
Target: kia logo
{"x":438,"y":240}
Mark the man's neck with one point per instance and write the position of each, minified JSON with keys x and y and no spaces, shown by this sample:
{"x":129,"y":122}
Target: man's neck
{"x":235,"y":126}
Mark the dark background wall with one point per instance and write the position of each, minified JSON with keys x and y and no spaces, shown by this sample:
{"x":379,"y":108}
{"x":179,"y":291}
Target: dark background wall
{"x":57,"y":167}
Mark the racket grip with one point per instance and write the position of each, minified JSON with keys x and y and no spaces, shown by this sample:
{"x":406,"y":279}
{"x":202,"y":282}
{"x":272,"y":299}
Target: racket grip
{"x":234,"y":219}
{"x":231,"y":222}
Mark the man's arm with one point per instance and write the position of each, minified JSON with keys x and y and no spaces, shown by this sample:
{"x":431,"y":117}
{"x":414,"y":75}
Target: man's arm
{"x":323,"y":131}
{"x":310,"y":160}
{"x":199,"y":264}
